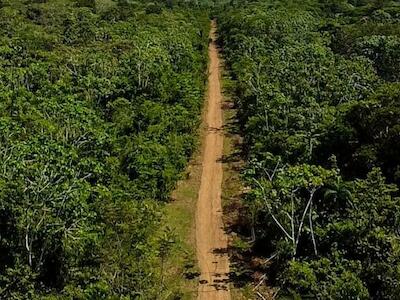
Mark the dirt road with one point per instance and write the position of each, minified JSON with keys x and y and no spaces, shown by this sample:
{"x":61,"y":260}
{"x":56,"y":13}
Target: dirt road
{"x":211,"y":240}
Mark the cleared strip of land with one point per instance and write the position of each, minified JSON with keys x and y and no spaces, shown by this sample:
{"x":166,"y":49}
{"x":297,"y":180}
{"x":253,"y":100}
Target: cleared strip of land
{"x":211,"y":240}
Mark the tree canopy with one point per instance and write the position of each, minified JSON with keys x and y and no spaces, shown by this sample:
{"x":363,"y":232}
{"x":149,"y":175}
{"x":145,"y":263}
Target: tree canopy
{"x":99,"y":108}
{"x":317,"y":91}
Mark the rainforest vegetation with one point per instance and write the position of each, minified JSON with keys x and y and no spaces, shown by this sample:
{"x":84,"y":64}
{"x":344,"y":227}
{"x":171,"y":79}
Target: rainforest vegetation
{"x":100,"y":105}
{"x":317,"y":86}
{"x":99,"y":108}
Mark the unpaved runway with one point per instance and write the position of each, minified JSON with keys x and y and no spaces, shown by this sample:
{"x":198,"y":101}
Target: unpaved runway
{"x":211,"y":240}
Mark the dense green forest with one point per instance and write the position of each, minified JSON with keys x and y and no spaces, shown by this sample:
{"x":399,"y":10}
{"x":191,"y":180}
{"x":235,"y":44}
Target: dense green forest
{"x":99,"y":107}
{"x":317,"y":87}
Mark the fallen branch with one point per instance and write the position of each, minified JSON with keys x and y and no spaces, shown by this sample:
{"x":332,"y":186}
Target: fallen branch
{"x":261,"y":296}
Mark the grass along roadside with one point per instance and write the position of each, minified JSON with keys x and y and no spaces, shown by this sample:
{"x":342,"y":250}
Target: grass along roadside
{"x":181,"y":267}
